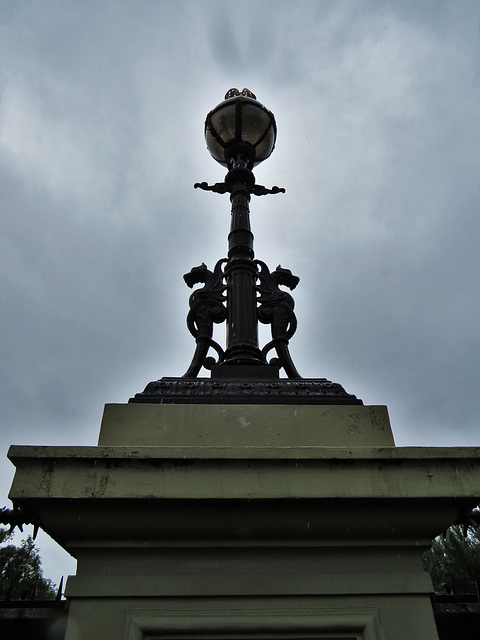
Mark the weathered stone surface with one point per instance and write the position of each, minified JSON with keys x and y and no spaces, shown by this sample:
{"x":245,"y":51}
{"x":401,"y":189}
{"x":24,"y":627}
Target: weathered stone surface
{"x":273,"y":425}
{"x":199,"y":522}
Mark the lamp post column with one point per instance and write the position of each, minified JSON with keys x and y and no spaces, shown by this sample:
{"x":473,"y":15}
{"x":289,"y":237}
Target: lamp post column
{"x":241,"y":272}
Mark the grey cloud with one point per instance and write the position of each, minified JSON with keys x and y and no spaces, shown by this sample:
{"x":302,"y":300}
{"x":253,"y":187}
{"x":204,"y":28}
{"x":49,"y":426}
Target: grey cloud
{"x":101,"y":139}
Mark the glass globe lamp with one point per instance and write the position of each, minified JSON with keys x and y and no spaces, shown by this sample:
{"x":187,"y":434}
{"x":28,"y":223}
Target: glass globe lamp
{"x":240,"y":124}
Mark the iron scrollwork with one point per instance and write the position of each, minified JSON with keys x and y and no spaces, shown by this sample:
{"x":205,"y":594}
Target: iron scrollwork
{"x":207,"y":307}
{"x":275,"y":307}
{"x":224,"y":187}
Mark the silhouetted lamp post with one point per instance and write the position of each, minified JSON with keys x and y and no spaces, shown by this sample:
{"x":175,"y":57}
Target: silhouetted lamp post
{"x":240,"y":133}
{"x":241,"y":291}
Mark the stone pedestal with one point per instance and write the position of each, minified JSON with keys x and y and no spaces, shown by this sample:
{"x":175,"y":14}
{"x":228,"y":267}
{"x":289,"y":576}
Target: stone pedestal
{"x":246,"y":522}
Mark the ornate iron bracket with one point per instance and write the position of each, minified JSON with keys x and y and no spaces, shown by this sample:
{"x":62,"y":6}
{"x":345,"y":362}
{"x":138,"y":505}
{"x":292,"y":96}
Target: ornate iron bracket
{"x":224,"y":187}
{"x":218,"y":187}
{"x":207,"y":307}
{"x":275,"y":307}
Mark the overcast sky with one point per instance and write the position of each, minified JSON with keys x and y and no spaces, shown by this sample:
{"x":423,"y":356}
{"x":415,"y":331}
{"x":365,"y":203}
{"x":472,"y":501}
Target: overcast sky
{"x":102,"y":106}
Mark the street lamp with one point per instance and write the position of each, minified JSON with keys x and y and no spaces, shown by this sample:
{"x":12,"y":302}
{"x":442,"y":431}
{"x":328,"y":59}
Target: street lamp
{"x":241,"y":290}
{"x":240,"y":133}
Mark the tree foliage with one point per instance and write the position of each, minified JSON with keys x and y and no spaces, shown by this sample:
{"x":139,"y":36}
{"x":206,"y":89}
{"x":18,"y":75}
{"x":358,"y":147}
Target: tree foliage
{"x":453,"y":561}
{"x":21,"y":573}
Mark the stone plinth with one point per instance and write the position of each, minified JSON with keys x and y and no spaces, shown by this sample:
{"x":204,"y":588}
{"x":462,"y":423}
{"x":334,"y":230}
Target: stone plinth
{"x":243,"y":425}
{"x":242,"y":523}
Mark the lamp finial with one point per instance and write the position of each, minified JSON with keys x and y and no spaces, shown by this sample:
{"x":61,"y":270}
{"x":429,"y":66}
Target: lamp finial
{"x":246,"y":93}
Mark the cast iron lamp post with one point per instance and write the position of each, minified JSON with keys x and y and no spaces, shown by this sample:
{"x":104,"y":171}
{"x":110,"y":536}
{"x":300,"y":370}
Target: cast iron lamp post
{"x":240,"y":133}
{"x":241,"y":291}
